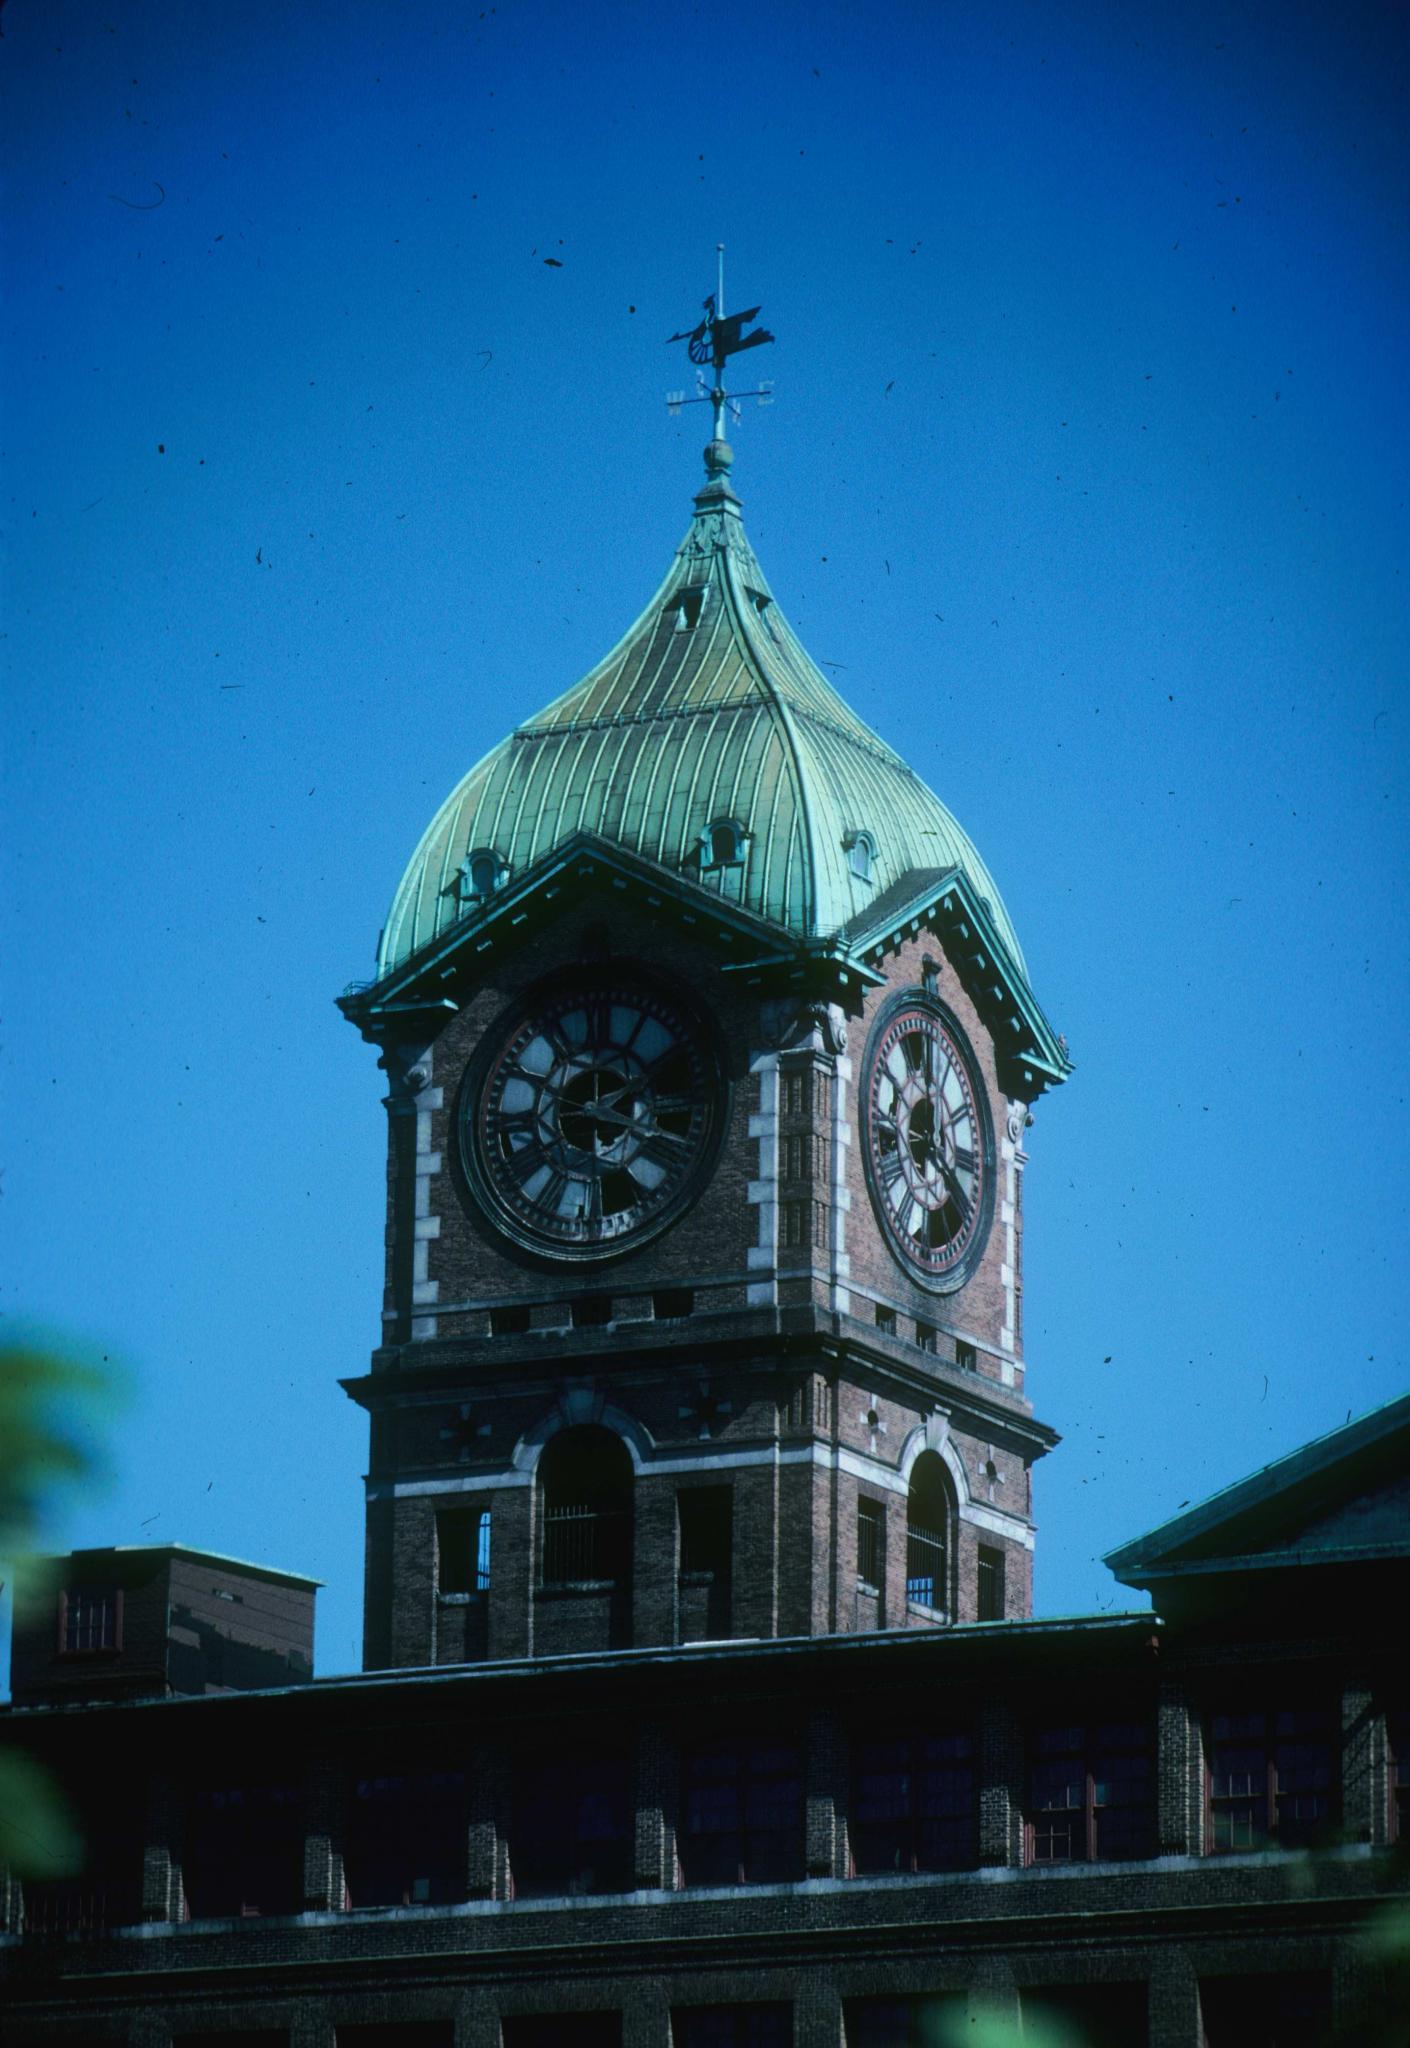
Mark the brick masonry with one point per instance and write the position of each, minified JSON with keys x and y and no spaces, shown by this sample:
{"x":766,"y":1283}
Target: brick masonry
{"x":812,"y":1370}
{"x":1173,"y":1924}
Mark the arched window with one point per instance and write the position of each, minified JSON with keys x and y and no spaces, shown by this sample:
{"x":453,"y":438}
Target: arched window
{"x":929,"y":1517}
{"x":861,"y":851}
{"x":481,"y":873}
{"x":585,"y":1499}
{"x":723,"y":843}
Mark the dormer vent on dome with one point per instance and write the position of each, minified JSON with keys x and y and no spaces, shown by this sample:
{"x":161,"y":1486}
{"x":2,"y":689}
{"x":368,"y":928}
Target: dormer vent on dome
{"x":707,"y":717}
{"x":861,"y":851}
{"x":723,"y":844}
{"x":479,"y":875}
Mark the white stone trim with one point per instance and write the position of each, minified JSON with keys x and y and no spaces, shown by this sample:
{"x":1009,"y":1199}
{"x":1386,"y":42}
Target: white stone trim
{"x":458,"y":1482}
{"x":1008,"y":1268}
{"x":997,"y":1523}
{"x":841,"y":1193}
{"x":578,"y":1406}
{"x":885,"y":1478}
{"x":426,"y":1225}
{"x":762,"y":1258}
{"x":934,"y":1435}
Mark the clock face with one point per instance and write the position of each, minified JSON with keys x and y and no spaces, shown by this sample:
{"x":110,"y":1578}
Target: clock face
{"x":588,"y":1124}
{"x":928,"y":1152}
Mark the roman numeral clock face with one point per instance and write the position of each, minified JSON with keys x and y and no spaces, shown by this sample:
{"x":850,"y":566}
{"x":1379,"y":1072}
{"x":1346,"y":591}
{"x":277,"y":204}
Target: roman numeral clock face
{"x":589,"y":1125}
{"x":928,"y":1149}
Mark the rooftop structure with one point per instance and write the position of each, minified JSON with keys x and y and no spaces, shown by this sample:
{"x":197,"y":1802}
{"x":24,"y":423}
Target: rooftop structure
{"x":711,"y":744}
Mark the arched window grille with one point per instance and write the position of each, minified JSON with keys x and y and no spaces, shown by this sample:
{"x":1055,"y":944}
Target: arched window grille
{"x":585,"y":1495}
{"x":929,"y":1518}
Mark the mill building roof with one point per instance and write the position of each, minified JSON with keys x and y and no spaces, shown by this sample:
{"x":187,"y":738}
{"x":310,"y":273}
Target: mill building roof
{"x":708,"y":742}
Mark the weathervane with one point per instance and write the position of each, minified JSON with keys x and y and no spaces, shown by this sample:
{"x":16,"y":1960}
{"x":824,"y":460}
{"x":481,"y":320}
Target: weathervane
{"x":713,"y":342}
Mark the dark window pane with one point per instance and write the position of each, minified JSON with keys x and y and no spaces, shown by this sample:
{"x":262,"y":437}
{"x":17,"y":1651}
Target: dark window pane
{"x":398,"y":2034}
{"x":1291,"y":2010}
{"x":243,"y":1851}
{"x":1398,"y":1745}
{"x":1271,"y":1779}
{"x":235,"y":2037}
{"x":585,"y":1476}
{"x":571,"y":1826}
{"x":743,"y":1814}
{"x":765,"y":2024}
{"x":1302,"y":1778}
{"x":458,"y":1544}
{"x":1091,"y":1792}
{"x":1097,"y":2015}
{"x":934,"y":2021}
{"x":562,"y":2030}
{"x":1123,"y":1805}
{"x":912,"y":1805}
{"x":871,"y":1524}
{"x":990,"y":1592}
{"x":406,"y":1839}
{"x":928,"y":1519}
{"x":705,"y":1529}
{"x":91,"y":1618}
{"x":107,"y":1891}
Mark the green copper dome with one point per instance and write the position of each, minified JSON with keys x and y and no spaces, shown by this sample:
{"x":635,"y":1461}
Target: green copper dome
{"x":710,"y":743}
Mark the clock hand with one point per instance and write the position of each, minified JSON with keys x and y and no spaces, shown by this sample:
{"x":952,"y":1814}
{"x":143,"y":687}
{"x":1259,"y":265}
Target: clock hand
{"x":601,"y":1114}
{"x":957,"y":1193}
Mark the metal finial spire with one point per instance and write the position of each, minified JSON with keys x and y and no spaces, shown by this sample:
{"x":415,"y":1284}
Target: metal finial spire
{"x":718,"y":395}
{"x":714,"y":341}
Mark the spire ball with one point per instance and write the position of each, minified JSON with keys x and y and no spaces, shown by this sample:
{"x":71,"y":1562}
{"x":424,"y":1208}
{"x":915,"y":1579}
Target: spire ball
{"x":719,"y":457}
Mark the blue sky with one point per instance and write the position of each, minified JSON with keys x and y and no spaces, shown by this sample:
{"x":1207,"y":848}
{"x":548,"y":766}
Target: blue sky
{"x":1087,"y":474}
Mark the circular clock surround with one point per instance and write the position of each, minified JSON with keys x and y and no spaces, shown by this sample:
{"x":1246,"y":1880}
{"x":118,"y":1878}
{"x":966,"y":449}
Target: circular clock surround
{"x":927,"y":1140}
{"x":591,"y":1115}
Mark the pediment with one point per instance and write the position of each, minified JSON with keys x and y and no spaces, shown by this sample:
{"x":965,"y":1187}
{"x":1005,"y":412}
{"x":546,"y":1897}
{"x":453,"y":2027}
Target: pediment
{"x":1342,"y":1499}
{"x":436,"y":979}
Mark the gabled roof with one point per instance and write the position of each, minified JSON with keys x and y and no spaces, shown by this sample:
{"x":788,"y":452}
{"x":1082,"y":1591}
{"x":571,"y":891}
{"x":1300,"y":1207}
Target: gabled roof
{"x":1344,"y":1498}
{"x":432,"y":982}
{"x":707,"y":712}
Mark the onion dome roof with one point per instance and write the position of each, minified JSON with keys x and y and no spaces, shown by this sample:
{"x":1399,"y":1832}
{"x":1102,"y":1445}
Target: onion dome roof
{"x":708,"y":742}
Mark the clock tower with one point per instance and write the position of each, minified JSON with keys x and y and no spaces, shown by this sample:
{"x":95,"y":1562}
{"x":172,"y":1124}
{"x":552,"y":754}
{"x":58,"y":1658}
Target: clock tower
{"x":710,"y":1051}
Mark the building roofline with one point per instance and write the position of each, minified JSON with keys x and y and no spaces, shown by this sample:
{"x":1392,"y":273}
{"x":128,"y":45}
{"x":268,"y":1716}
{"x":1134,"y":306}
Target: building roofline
{"x":1151,"y":1553}
{"x":1131,"y":1625}
{"x":172,"y":1550}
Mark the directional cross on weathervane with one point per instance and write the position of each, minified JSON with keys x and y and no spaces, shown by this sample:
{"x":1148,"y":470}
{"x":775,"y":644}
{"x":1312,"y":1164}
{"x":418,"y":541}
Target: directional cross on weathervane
{"x":718,"y":337}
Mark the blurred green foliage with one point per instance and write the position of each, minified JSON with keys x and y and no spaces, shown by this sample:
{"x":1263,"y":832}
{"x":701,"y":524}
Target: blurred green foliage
{"x":51,"y":1411}
{"x":53,"y":1415}
{"x":979,"y":2029}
